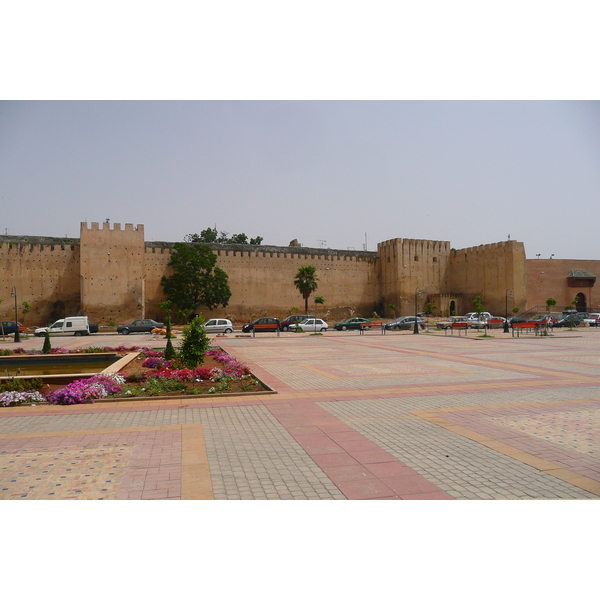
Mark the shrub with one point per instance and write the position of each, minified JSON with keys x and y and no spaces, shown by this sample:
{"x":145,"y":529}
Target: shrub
{"x":195,"y":343}
{"x":21,"y":385}
{"x":170,"y":353}
{"x":47,"y":347}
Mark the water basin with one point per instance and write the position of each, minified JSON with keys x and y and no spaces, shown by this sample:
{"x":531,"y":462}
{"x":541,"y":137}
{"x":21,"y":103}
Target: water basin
{"x":56,"y":365}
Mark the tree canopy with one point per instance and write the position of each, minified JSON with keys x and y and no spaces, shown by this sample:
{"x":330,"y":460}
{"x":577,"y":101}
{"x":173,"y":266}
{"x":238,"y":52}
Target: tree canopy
{"x":196,"y":281}
{"x":212,"y":236}
{"x":306,"y":283}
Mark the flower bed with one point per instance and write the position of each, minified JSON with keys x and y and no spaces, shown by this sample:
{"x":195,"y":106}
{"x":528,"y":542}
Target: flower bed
{"x":148,"y":375}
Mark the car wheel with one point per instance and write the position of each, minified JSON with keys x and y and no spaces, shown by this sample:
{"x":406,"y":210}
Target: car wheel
{"x":125,"y":331}
{"x":396,"y":327}
{"x":229,"y":330}
{"x":286,"y":328}
{"x":323,"y":328}
{"x":344,"y":328}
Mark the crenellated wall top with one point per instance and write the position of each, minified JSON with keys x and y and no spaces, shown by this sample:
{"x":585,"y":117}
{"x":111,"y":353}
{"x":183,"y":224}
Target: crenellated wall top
{"x":37,"y":240}
{"x":106,"y":226}
{"x":514,"y":244}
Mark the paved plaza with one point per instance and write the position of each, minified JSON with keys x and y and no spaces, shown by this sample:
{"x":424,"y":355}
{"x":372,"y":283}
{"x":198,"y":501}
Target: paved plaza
{"x":396,"y":416}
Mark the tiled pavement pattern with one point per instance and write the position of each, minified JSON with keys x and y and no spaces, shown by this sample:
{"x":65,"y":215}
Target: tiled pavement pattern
{"x":358,"y":417}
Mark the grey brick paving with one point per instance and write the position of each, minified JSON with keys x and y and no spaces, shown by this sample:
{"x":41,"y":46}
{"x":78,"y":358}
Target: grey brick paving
{"x":461,"y":467}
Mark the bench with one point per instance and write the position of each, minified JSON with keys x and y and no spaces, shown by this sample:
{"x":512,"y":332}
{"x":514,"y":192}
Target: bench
{"x":458,"y":326}
{"x":263,"y":327}
{"x":495,"y":323}
{"x":366,"y":326}
{"x":528,"y":327}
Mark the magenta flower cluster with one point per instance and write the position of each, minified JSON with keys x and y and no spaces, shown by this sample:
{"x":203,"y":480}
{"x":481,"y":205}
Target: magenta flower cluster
{"x":154,"y":363}
{"x":83,"y":391}
{"x":231,"y":366}
{"x":201,"y":373}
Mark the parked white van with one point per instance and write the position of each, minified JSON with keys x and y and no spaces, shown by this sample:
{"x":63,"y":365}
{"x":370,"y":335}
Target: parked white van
{"x":68,"y":326}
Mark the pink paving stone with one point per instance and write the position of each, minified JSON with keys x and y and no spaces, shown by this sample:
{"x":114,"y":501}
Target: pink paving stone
{"x":317,"y":444}
{"x":371,"y":456}
{"x":390,"y":469}
{"x":303,"y":430}
{"x":347,"y":473}
{"x":358,"y":445}
{"x":155,"y":495}
{"x":339,"y":427}
{"x":364,"y":490}
{"x":345,"y":436}
{"x":336,"y":459}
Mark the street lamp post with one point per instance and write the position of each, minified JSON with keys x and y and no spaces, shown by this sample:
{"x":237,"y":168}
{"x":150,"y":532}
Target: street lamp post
{"x":418,"y":292}
{"x":13,"y":293}
{"x":506,"y":310}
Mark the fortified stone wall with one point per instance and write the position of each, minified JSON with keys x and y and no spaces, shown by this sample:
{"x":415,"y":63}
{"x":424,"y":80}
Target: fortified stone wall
{"x":547,"y":278}
{"x":261,"y":280}
{"x":112,"y":272}
{"x":488,"y":271}
{"x":44,"y":272}
{"x":407,"y":266}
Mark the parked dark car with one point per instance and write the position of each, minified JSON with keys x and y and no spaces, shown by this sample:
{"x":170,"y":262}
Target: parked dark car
{"x":11,"y":326}
{"x":573,"y":320}
{"x":267,"y":324}
{"x":517,"y":320}
{"x":404,"y":323}
{"x":353,"y":323}
{"x":292,"y":320}
{"x":139,"y":326}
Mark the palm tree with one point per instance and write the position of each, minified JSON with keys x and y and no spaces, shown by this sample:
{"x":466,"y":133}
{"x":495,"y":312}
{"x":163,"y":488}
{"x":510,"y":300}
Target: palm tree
{"x":306,"y":283}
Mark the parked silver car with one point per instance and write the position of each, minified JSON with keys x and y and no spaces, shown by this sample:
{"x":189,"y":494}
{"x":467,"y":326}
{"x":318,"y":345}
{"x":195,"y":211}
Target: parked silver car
{"x":310,"y":325}
{"x":218,"y":326}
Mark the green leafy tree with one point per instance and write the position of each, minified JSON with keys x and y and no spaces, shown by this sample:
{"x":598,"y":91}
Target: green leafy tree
{"x":478,"y":308}
{"x":166,"y":306}
{"x":393,"y":308}
{"x":430,"y":307}
{"x":212,"y":236}
{"x":196,"y":280}
{"x":550,"y":302}
{"x":208,"y":236}
{"x":195,"y":343}
{"x":320,"y":301}
{"x":477,"y":305}
{"x":238,"y":238}
{"x":306,"y":283}
{"x":46,"y":348}
{"x":516,"y":310}
{"x":25,"y":310}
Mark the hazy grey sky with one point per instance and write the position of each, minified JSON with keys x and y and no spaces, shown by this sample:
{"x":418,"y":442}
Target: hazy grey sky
{"x":469,"y":172}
